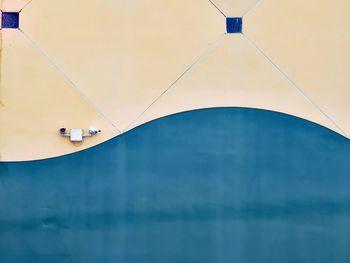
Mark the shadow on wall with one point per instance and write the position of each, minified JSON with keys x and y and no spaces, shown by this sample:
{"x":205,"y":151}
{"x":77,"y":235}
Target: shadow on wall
{"x":215,"y":185}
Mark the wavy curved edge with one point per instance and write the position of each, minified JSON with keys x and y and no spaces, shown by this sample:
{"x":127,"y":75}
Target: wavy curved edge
{"x":170,"y":116}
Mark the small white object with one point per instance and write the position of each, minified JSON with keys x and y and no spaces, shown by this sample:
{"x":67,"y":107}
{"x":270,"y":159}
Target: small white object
{"x":76,"y":135}
{"x":93,"y":131}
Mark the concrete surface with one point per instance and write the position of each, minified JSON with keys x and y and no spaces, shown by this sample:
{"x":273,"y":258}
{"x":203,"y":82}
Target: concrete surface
{"x":118,"y":64}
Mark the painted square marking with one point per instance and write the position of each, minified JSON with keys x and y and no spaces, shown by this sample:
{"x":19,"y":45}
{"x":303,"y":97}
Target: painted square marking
{"x":10,"y":20}
{"x":234,"y":25}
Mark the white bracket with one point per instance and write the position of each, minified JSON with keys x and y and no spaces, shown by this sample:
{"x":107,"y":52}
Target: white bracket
{"x":78,"y":135}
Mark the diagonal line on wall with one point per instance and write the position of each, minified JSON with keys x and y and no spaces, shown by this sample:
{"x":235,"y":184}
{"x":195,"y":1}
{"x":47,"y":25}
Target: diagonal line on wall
{"x":217,"y":8}
{"x":252,"y":8}
{"x":69,"y":80}
{"x":294,"y":85}
{"x":196,"y":62}
{"x":27,"y":4}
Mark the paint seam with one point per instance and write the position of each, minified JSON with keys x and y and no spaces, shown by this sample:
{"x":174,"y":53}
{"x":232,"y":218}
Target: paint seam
{"x":27,"y":4}
{"x":196,"y":62}
{"x":294,"y":85}
{"x":252,"y":8}
{"x":69,"y":80}
{"x":217,"y":8}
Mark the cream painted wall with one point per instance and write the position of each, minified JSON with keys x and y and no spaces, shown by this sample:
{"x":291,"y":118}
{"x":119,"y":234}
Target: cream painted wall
{"x":117,"y":64}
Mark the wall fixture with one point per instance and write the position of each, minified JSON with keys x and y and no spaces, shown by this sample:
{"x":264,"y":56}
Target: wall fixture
{"x":78,"y":135}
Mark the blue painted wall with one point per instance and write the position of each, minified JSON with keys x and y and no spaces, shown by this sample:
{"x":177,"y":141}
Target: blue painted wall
{"x":217,"y":185}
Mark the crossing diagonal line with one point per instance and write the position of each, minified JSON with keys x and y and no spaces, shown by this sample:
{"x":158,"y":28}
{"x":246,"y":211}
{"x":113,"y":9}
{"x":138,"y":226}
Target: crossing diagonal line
{"x":197,"y":61}
{"x":217,"y":8}
{"x":27,"y":4}
{"x":294,"y":85}
{"x":69,"y":80}
{"x":252,"y":7}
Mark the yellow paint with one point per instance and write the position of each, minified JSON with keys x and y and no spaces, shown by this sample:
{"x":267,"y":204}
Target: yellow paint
{"x":13,"y":5}
{"x":235,"y":74}
{"x":123,"y":54}
{"x":234,"y":8}
{"x":310,"y":42}
{"x":37,"y":101}
{"x":107,"y":64}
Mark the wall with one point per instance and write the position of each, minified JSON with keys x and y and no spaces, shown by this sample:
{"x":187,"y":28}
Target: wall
{"x":215,"y":185}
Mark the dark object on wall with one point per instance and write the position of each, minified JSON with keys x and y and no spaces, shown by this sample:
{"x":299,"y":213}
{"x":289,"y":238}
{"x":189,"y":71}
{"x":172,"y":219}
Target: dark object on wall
{"x":234,"y":25}
{"x":10,"y":20}
{"x":209,"y":186}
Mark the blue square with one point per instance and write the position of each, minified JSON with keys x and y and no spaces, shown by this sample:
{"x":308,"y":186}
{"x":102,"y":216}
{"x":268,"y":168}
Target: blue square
{"x":10,"y":20}
{"x":234,"y":25}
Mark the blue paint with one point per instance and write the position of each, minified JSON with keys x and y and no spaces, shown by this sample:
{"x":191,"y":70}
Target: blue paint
{"x":234,"y":25}
{"x":216,"y":185}
{"x":10,"y":20}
